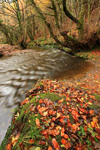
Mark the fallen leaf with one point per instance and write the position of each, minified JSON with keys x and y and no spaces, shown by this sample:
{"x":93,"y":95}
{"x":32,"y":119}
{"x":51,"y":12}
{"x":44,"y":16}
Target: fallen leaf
{"x":31,"y":141}
{"x":49,"y":148}
{"x":55,"y":144}
{"x":37,"y":122}
{"x":8,"y":147}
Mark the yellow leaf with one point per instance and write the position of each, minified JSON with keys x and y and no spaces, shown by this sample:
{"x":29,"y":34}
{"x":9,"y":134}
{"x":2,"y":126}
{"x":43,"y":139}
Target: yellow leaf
{"x":14,"y":139}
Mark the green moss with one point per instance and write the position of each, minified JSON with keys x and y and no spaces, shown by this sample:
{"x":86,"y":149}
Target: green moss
{"x":30,"y":130}
{"x":66,"y":49}
{"x":83,"y":55}
{"x":21,"y":110}
{"x":51,"y":96}
{"x":25,"y":122}
{"x":5,"y":141}
{"x":94,"y":106}
{"x":26,"y":107}
{"x":45,"y":43}
{"x":97,"y":96}
{"x":71,"y":118}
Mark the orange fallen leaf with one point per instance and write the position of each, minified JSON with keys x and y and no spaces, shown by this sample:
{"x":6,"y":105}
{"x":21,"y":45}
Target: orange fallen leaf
{"x":37,"y":122}
{"x":61,"y":120}
{"x":40,"y":101}
{"x":8,"y":147}
{"x":74,"y":127}
{"x":84,"y":117}
{"x":55,"y":144}
{"x":65,"y":136}
{"x":24,"y":102}
{"x":63,"y":141}
{"x":49,"y":148}
{"x":98,"y":136}
{"x":52,"y":112}
{"x":53,"y":119}
{"x":66,"y":143}
{"x":62,"y":131}
{"x":94,"y":123}
{"x":69,"y":124}
{"x":43,"y":109}
{"x":44,"y":132}
{"x":91,"y":112}
{"x":31,"y":141}
{"x":60,"y":101}
{"x":53,"y":133}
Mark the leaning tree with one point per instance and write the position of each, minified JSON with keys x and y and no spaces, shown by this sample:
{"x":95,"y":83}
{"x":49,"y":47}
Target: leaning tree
{"x":84,"y":9}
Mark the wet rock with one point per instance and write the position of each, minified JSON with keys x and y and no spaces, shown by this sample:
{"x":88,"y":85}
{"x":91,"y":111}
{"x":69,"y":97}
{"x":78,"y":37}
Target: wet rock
{"x":1,"y":54}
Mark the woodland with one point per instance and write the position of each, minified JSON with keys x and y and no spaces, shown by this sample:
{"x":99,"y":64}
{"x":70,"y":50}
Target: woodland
{"x":69,"y":23}
{"x":57,"y":113}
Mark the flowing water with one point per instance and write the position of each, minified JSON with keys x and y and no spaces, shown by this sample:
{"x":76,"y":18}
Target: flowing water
{"x":18,"y":74}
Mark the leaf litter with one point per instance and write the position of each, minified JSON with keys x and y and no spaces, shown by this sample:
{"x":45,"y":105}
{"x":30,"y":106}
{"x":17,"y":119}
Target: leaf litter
{"x":55,"y":117}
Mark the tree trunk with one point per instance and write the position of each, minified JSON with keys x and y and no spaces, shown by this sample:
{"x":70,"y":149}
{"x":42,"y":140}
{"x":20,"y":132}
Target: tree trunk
{"x":70,"y":42}
{"x":77,"y":46}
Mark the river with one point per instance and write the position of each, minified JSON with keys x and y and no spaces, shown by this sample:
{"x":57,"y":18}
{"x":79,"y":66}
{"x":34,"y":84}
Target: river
{"x":19,"y":73}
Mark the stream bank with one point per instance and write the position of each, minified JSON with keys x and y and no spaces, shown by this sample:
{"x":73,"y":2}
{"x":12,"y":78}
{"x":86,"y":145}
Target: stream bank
{"x":55,"y":116}
{"x":84,"y":96}
{"x":20,"y":72}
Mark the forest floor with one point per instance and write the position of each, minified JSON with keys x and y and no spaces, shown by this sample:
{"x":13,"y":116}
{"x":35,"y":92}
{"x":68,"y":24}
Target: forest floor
{"x":59,"y":115}
{"x":91,"y":80}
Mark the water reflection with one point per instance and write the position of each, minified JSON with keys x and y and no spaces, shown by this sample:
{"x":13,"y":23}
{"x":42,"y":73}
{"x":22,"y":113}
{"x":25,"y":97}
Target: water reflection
{"x":19,"y":73}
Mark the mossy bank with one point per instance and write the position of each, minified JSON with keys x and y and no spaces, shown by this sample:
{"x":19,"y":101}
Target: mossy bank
{"x":55,"y":116}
